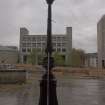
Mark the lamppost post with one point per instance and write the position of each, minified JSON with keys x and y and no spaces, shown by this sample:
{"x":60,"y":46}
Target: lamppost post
{"x":49,"y":27}
{"x":48,"y":95}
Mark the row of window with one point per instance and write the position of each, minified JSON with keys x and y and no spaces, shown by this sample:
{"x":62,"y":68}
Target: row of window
{"x":33,"y":44}
{"x":39,"y":38}
{"x":42,"y":44}
{"x":25,"y":50}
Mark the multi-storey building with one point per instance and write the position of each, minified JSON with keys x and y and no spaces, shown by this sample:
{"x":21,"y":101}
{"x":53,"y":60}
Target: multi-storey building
{"x":61,"y":43}
{"x":101,"y":42}
{"x":8,"y":55}
{"x":91,"y":60}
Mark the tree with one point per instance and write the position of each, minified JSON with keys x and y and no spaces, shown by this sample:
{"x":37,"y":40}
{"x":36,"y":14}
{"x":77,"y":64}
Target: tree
{"x":35,"y":57}
{"x":76,"y":58}
{"x":58,"y":59}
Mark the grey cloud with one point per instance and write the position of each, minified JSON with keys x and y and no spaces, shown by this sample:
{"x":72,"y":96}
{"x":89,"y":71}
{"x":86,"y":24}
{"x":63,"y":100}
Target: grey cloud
{"x":82,"y":15}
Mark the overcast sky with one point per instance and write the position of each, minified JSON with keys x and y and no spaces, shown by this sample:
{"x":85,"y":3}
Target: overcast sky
{"x":82,"y":15}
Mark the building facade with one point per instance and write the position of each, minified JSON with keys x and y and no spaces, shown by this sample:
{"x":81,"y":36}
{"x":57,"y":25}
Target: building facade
{"x":101,"y":42}
{"x":8,"y":55}
{"x":62,"y":43}
{"x":91,"y":60}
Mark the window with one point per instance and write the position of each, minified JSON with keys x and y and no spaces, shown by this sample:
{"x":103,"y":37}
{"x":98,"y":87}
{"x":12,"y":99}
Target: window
{"x":63,"y":50}
{"x":33,"y":39}
{"x":64,"y":38}
{"x":24,"y":38}
{"x":28,"y":44}
{"x":38,"y":44}
{"x":33,"y":44}
{"x":29,"y":38}
{"x":38,"y":39}
{"x":43,"y":45}
{"x":24,"y":44}
{"x":103,"y":64}
{"x":54,"y":38}
{"x":43,"y":38}
{"x":58,"y":44}
{"x":25,"y":59}
{"x":58,"y":49}
{"x":63,"y":44}
{"x":54,"y":49}
{"x":54,"y":44}
{"x":23,"y":49}
{"x":28,"y":50}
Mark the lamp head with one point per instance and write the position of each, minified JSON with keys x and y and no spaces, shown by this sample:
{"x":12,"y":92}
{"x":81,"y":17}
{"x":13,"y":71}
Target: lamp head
{"x":50,"y":1}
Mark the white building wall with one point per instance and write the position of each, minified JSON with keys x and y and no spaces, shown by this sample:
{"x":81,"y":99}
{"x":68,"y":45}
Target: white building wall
{"x":61,"y":42}
{"x":91,"y":60}
{"x":8,"y":55}
{"x":101,"y":42}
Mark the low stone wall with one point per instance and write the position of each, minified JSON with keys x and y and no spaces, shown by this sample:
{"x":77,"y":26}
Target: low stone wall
{"x":12,"y":76}
{"x":80,"y":72}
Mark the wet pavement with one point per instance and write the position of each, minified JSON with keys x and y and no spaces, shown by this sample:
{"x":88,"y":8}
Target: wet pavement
{"x":69,"y":91}
{"x":82,"y":92}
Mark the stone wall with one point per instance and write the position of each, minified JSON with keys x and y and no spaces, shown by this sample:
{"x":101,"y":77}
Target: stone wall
{"x":12,"y":76}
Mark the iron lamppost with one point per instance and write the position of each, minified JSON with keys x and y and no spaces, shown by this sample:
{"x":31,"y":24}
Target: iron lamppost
{"x":48,"y":94}
{"x":49,"y":2}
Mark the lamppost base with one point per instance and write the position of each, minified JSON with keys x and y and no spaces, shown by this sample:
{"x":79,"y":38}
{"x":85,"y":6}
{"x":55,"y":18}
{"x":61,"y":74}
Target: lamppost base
{"x":52,"y":91}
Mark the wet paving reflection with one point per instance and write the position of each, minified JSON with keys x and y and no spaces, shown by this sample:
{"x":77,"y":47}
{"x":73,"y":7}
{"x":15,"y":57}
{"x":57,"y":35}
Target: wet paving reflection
{"x":81,"y":92}
{"x":69,"y":92}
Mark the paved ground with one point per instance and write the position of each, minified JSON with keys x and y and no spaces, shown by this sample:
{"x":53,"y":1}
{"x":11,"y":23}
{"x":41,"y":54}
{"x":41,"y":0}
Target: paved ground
{"x":69,"y":91}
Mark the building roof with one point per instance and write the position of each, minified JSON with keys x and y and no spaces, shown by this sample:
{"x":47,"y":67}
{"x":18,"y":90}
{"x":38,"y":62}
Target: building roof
{"x":46,"y":35}
{"x":8,"y":48}
{"x":91,"y":55}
